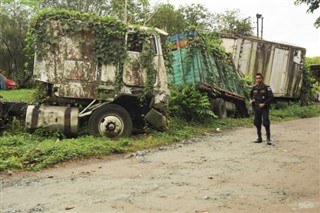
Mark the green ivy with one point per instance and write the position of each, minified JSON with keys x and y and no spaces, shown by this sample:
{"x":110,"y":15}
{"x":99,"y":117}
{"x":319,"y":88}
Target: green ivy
{"x":307,"y":97}
{"x":208,"y":44}
{"x":109,"y":33}
{"x":167,"y":55}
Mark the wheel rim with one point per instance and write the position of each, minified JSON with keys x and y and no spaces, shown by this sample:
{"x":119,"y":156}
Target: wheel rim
{"x":111,"y":126}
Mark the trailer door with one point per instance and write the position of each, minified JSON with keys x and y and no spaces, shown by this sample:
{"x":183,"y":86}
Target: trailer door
{"x":279,"y":74}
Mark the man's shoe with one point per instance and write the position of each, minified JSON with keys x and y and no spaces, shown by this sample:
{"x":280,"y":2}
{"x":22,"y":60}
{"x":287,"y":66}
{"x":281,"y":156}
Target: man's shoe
{"x":259,"y":140}
{"x":269,"y":142}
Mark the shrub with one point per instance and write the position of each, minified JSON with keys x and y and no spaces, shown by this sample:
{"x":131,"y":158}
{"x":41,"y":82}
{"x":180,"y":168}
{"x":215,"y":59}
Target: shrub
{"x":189,"y":103}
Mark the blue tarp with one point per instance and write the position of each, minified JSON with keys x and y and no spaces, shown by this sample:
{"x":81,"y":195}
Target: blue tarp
{"x":3,"y":84}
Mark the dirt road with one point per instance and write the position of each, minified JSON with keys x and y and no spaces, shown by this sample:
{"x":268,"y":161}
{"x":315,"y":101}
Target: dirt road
{"x":220,"y":172}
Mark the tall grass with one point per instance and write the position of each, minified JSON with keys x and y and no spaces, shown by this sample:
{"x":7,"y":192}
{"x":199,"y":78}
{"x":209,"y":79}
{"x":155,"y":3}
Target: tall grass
{"x":295,"y":111}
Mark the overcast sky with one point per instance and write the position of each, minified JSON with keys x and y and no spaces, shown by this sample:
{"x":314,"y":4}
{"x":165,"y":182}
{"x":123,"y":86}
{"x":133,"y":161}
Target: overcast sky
{"x":283,"y":21}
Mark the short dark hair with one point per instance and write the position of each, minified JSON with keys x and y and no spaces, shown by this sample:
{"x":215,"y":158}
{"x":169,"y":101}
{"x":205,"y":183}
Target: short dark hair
{"x":259,"y":74}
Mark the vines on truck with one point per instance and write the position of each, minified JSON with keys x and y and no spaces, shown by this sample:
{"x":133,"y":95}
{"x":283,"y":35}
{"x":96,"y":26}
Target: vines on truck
{"x":104,"y":37}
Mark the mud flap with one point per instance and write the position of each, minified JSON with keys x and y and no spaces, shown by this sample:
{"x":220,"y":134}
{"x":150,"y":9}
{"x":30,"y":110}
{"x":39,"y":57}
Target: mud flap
{"x":157,"y":119}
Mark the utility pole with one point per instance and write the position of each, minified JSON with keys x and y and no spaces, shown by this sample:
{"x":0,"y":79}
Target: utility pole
{"x":258,"y":17}
{"x":261,"y":27}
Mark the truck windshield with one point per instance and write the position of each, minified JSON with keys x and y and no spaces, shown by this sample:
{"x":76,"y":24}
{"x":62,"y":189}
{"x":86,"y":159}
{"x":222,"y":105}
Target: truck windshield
{"x":136,"y":44}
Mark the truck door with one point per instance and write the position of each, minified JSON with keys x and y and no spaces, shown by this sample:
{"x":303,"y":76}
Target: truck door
{"x":134,"y":74}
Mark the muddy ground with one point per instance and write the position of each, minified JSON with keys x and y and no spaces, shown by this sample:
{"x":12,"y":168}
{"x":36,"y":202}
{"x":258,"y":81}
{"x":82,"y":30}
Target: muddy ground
{"x":221,"y":172}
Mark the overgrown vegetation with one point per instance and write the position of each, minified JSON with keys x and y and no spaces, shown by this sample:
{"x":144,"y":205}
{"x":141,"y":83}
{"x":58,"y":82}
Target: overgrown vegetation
{"x":23,"y":151}
{"x":310,"y":85}
{"x":109,"y":33}
{"x":204,"y":59}
{"x":189,"y":103}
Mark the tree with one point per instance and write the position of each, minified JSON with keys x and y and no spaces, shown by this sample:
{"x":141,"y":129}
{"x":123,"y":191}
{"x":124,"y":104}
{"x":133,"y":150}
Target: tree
{"x":197,"y":15}
{"x":231,"y":22}
{"x":137,"y":10}
{"x":313,"y":5}
{"x":13,"y":24}
{"x":166,"y":17}
{"x":100,"y":7}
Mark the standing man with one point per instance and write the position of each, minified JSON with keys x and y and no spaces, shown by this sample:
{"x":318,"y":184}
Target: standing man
{"x":261,"y":97}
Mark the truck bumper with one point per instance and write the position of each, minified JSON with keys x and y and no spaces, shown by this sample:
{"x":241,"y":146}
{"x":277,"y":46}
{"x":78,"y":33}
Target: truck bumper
{"x":157,"y":119}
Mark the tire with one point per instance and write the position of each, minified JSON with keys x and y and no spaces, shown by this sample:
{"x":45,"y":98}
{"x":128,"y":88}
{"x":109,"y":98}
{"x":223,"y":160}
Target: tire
{"x":111,"y":121}
{"x":220,"y":108}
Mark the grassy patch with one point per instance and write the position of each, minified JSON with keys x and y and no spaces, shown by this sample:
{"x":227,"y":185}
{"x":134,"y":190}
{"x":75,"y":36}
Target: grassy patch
{"x":24,"y":151}
{"x":25,"y":95}
{"x":295,"y":111}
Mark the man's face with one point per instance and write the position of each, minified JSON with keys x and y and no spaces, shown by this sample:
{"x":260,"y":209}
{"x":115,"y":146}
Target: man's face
{"x":259,"y":79}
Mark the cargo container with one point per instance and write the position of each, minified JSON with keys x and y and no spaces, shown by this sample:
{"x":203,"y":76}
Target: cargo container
{"x":281,"y":64}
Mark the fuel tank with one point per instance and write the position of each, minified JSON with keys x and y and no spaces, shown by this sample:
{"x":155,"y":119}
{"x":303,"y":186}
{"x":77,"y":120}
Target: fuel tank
{"x":53,"y":118}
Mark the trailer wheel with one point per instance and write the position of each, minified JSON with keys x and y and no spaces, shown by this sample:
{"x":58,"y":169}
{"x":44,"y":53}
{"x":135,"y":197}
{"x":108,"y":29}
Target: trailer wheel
{"x":220,"y":108}
{"x":110,"y":121}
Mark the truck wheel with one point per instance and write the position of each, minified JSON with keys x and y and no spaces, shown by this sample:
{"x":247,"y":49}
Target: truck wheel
{"x":110,"y":121}
{"x":220,"y":108}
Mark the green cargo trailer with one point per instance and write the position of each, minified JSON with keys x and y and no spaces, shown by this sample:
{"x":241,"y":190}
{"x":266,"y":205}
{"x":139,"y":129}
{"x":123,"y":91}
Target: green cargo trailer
{"x":215,"y":76}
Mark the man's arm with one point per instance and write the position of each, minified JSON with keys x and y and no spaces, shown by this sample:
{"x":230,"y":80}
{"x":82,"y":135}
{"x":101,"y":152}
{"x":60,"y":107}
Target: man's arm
{"x":251,"y":96}
{"x":270,"y":96}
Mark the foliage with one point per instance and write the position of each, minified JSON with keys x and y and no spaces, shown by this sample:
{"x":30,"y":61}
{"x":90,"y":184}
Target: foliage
{"x":168,"y":18}
{"x":231,"y":22}
{"x":167,"y":55}
{"x":197,"y":15}
{"x":146,"y":61}
{"x":313,"y":5}
{"x":100,"y":7}
{"x":143,"y":39}
{"x":13,"y":24}
{"x":247,"y":82}
{"x":189,"y":103}
{"x":23,"y":151}
{"x":211,"y":42}
{"x":309,"y":87}
{"x":313,"y":61}
{"x":176,"y":21}
{"x":109,"y":42}
{"x":295,"y":111}
{"x":218,"y":63}
{"x":137,"y":10}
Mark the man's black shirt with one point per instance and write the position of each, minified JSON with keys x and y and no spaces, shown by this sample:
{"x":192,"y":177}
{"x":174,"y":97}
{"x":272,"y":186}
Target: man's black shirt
{"x":261,"y":94}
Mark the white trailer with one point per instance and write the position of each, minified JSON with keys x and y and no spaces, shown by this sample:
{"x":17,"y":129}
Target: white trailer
{"x":281,"y":64}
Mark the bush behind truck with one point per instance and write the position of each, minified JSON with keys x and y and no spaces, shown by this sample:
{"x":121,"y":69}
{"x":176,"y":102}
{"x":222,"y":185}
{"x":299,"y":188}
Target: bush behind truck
{"x":95,"y":70}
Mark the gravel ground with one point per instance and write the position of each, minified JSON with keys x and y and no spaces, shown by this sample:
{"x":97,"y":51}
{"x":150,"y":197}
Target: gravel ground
{"x":220,"y":172}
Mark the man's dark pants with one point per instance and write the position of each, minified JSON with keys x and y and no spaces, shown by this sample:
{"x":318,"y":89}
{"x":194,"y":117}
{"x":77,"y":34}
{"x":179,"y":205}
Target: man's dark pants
{"x":261,"y":116}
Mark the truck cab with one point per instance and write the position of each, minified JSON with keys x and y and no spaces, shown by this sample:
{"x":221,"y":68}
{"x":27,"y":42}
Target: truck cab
{"x":117,"y":89}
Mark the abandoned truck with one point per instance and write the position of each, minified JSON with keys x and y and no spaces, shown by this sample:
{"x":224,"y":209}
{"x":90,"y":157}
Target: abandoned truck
{"x":95,"y":70}
{"x":197,"y":62}
{"x":281,"y":64}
